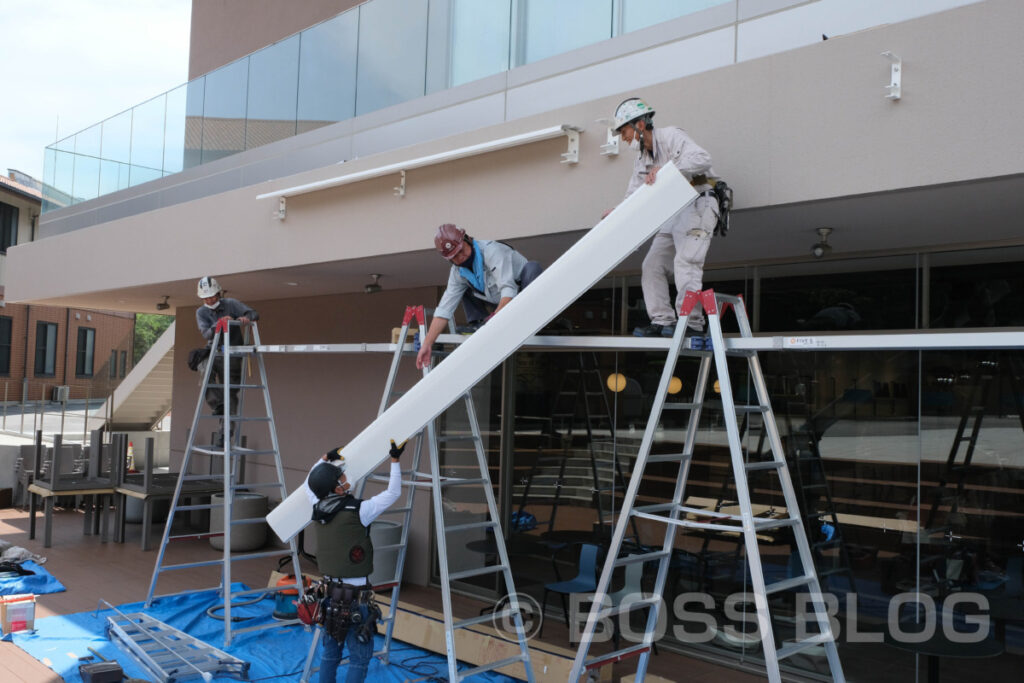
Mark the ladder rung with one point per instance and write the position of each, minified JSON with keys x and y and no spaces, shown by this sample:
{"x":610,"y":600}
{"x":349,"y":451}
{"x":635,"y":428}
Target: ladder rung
{"x":456,"y":437}
{"x":466,"y":623}
{"x":793,"y":648}
{"x":463,"y":482}
{"x":788,"y":584}
{"x":669,"y":457}
{"x":479,"y":571}
{"x":470,"y":525}
{"x":253,"y":418}
{"x":752,"y":409}
{"x":211,"y":385}
{"x":681,"y":406}
{"x":491,"y":666}
{"x":202,"y":477}
{"x":202,"y":506}
{"x":641,"y":557}
{"x":769,"y":465}
{"x":617,"y":656}
{"x":764,"y":525}
{"x":390,"y":546}
{"x":628,"y":606}
{"x":257,"y":485}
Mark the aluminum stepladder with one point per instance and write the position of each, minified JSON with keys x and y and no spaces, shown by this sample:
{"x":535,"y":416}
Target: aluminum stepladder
{"x":437,"y":483}
{"x":677,"y":515}
{"x":233,"y":454}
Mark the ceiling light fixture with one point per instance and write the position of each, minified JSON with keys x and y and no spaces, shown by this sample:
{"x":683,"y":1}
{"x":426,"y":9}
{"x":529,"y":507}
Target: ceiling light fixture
{"x":374,"y":286}
{"x":822,"y":248}
{"x":163,"y":305}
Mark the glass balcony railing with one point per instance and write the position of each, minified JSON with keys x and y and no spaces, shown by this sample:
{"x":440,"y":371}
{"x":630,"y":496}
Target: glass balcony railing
{"x":378,"y":54}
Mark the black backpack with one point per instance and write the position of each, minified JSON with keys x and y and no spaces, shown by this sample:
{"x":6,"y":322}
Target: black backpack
{"x":723,"y":193}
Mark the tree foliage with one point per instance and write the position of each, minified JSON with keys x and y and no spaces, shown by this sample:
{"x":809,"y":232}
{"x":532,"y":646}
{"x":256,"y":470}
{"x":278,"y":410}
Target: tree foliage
{"x":148,"y":328}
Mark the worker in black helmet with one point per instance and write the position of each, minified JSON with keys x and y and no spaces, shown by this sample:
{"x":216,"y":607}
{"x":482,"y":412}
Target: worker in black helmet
{"x":344,"y":555}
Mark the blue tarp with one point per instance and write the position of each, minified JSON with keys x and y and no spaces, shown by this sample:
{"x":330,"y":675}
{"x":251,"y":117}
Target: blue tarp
{"x":278,"y":653}
{"x":40,"y":582}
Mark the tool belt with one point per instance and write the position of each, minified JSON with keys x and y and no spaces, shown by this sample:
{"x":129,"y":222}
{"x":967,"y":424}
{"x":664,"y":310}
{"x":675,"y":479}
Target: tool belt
{"x":341,"y":611}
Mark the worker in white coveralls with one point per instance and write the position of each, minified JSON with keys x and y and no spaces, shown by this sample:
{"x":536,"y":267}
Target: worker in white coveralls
{"x":485,"y":276}
{"x":681,"y":245}
{"x":344,"y":556}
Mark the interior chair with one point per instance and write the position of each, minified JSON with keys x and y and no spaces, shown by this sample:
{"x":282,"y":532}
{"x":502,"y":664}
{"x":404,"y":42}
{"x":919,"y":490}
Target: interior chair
{"x":632,"y":586}
{"x":585,"y":581}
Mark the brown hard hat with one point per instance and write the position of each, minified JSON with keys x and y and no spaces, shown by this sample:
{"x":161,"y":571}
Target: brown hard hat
{"x":448,"y":240}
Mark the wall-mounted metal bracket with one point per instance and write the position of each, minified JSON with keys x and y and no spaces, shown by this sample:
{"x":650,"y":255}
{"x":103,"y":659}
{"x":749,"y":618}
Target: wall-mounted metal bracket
{"x":611,"y":146}
{"x":572,"y":155}
{"x":895,"y":88}
{"x":282,"y":209}
{"x":400,"y":188}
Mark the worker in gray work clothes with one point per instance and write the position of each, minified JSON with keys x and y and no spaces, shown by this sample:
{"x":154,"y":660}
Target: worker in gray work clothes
{"x":344,"y":556}
{"x":217,"y":307}
{"x":681,"y":245}
{"x":485,"y":276}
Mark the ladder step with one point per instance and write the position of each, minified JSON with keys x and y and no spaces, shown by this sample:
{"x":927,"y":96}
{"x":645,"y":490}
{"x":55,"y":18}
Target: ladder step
{"x":617,"y":656}
{"x":491,"y":666}
{"x":479,"y":571}
{"x":470,"y":525}
{"x":788,"y":584}
{"x":202,"y":477}
{"x":791,"y":649}
{"x":629,"y":606}
{"x":752,"y":409}
{"x":765,"y":525}
{"x":202,"y":506}
{"x":669,"y":457}
{"x":463,"y":482}
{"x":769,"y":465}
{"x":257,"y":485}
{"x":211,"y":385}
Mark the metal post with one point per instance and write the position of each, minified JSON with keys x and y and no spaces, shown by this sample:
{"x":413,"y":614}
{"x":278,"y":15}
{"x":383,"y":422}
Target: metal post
{"x":85,"y":427}
{"x":63,"y":409}
{"x":5,"y":406}
{"x":24,"y":400}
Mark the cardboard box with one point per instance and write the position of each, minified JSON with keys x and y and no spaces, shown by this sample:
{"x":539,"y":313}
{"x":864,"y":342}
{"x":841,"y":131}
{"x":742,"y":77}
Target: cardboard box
{"x":17,"y":613}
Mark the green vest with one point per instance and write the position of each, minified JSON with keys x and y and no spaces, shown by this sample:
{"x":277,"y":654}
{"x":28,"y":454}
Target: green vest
{"x":343,"y":546}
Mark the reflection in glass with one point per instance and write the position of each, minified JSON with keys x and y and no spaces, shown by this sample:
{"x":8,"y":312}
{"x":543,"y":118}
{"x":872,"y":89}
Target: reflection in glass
{"x":273,"y":83}
{"x":479,"y":39}
{"x":174,"y":131}
{"x":195,"y":100}
{"x":224,"y":111}
{"x":637,"y":14}
{"x":114,"y":176}
{"x":117,"y":137}
{"x":327,"y":72}
{"x":963,"y":294}
{"x":148,"y":140}
{"x":392,"y":53}
{"x":547,"y":28}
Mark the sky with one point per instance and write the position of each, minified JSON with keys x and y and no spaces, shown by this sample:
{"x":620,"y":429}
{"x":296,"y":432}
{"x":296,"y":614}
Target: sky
{"x":68,"y":64}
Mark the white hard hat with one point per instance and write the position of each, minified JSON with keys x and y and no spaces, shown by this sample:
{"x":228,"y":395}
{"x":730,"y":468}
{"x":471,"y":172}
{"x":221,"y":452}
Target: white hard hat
{"x":208,"y":286}
{"x":630,"y":110}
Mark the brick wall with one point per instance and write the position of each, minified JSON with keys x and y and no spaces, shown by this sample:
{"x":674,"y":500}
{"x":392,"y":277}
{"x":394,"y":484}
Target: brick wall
{"x":113,"y":332}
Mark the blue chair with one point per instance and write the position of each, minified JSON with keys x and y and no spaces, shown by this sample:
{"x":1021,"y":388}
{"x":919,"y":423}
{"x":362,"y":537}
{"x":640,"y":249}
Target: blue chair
{"x":585,"y":581}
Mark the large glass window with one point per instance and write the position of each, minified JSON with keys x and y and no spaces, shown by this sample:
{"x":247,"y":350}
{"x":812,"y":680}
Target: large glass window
{"x":86,"y":352}
{"x":273,"y":84}
{"x":980,"y":288}
{"x":8,"y":226}
{"x":147,"y":151}
{"x":327,"y":72}
{"x":46,"y":349}
{"x":637,"y":14}
{"x":392,"y":53}
{"x":6,"y":326}
{"x":546,"y":29}
{"x":480,"y":31}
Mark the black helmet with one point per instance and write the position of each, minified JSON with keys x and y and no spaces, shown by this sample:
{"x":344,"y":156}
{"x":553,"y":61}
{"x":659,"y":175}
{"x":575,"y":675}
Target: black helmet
{"x":323,"y":479}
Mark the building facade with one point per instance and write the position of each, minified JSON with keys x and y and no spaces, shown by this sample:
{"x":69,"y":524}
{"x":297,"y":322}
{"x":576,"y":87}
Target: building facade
{"x":795,"y":102}
{"x":45,"y":348}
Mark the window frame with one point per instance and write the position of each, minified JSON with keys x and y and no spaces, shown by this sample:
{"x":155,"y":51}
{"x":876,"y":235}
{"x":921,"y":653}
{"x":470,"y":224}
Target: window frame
{"x":6,"y":321}
{"x":9,"y":216}
{"x":85,"y":356}
{"x":44,"y":350}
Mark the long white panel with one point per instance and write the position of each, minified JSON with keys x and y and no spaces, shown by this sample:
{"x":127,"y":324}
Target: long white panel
{"x":605,"y":246}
